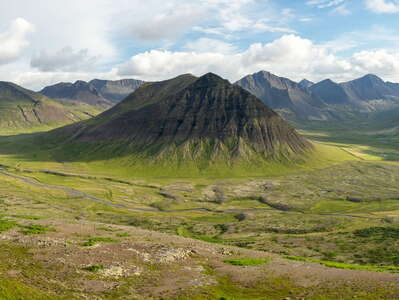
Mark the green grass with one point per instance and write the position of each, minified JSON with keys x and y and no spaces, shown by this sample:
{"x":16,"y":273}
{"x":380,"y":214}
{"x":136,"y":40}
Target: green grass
{"x":6,"y":225}
{"x":26,"y":217}
{"x":339,"y":265}
{"x":35,"y":229}
{"x":379,"y":233}
{"x":94,"y":240}
{"x":122,"y":235}
{"x":247,"y":261}
{"x":94,"y":268}
{"x":11,"y":289}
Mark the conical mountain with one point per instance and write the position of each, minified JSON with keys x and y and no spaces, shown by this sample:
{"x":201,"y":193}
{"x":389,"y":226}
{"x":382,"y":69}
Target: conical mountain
{"x":23,"y":109}
{"x":190,"y":119}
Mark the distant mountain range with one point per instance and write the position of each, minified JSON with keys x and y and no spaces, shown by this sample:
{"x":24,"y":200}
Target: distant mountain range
{"x":291,"y":99}
{"x":101,"y":93}
{"x":325,"y":100}
{"x":23,"y":109}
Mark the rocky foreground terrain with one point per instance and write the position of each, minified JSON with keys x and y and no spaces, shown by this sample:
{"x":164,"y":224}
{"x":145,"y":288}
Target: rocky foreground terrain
{"x":67,"y":259}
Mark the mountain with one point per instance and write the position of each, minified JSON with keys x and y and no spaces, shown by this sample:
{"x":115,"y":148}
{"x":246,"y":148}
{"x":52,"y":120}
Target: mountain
{"x":306,"y":83}
{"x":187,"y":120}
{"x":79,"y":91}
{"x":290,"y":99}
{"x":116,"y":91}
{"x":24,"y":109}
{"x":332,"y":93}
{"x":101,"y":93}
{"x":363,"y":95}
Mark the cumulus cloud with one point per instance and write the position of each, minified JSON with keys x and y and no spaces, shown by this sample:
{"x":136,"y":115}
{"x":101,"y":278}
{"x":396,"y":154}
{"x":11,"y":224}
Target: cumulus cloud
{"x":14,"y":40}
{"x":383,"y":6}
{"x":290,"y":55}
{"x":381,"y":62}
{"x":166,"y":21}
{"x":65,"y":59}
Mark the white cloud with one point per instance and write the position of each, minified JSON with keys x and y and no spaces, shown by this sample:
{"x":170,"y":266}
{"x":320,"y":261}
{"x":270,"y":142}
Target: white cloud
{"x":210,"y":45}
{"x":383,"y":6}
{"x":65,"y":59}
{"x":341,"y":10}
{"x":14,"y":40}
{"x":290,"y":55}
{"x":381,"y":62}
{"x":324,"y":3}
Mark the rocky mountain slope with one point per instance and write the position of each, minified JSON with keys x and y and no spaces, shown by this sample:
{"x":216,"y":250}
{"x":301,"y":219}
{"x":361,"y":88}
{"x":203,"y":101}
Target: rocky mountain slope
{"x":22,"y":109}
{"x":102,"y":93}
{"x":366,"y":94}
{"x":290,"y":99}
{"x":188,"y":120}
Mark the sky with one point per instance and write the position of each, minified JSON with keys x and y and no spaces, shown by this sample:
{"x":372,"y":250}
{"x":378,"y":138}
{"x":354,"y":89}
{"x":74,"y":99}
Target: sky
{"x":43,"y":42}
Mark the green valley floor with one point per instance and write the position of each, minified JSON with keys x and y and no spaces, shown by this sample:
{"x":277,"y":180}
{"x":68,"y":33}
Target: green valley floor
{"x":76,"y":231}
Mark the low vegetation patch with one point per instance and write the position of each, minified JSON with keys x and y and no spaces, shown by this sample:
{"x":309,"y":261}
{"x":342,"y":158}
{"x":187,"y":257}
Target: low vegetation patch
{"x":123,"y":235}
{"x":247,"y":261}
{"x":333,"y":264}
{"x":94,"y":240}
{"x":26,"y":217}
{"x":35,"y":229}
{"x":94,"y":268}
{"x":378,"y":233}
{"x":6,"y":225}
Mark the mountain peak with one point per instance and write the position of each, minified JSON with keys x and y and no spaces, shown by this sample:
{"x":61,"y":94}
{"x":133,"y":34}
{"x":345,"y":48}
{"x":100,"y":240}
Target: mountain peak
{"x":306,"y":83}
{"x":211,"y":79}
{"x":372,"y":78}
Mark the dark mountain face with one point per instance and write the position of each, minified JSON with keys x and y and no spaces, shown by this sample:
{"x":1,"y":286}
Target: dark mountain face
{"x":288,"y":97}
{"x":369,"y":87}
{"x":79,"y":91}
{"x":103,"y":93}
{"x":306,"y":83}
{"x":332,"y":93}
{"x":21,"y":108}
{"x":185,"y":110}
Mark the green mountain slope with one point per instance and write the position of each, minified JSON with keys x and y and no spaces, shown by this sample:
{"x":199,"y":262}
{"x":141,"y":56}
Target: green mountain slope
{"x":22,"y":110}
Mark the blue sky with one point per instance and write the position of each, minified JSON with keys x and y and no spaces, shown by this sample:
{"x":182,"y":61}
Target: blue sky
{"x":46,"y":41}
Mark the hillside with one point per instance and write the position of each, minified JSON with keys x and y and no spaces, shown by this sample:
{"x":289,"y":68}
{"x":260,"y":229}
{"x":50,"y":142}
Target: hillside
{"x":22,"y":110}
{"x":101,"y":93}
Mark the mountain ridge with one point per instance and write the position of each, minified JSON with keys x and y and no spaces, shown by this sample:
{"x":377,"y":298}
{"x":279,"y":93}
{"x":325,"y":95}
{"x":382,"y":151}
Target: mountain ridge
{"x":23,"y":109}
{"x":102,"y":93}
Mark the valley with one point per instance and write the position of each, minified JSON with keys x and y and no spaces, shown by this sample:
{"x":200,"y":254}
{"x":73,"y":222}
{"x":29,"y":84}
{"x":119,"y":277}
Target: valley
{"x":86,"y":214}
